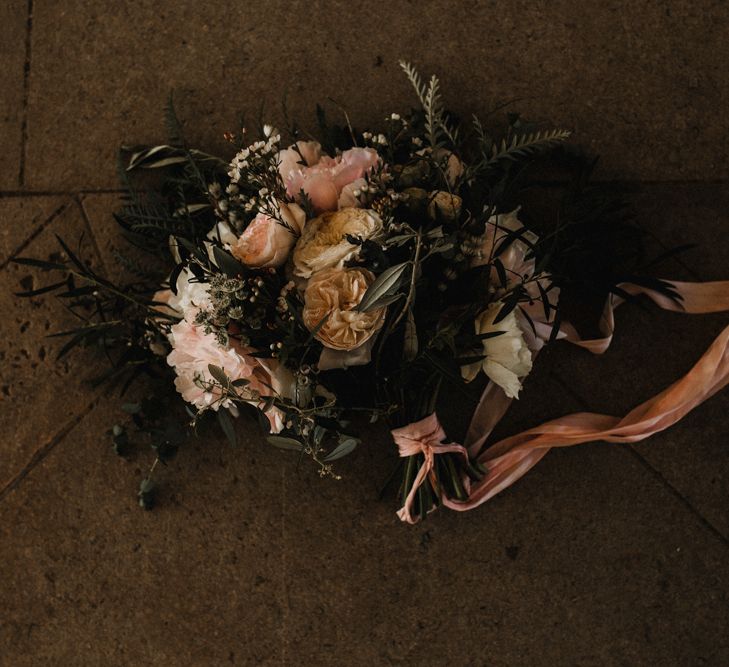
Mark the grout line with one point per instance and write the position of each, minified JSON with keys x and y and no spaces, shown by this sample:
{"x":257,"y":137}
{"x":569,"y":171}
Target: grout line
{"x":647,"y":465}
{"x":657,"y":474}
{"x":284,"y":575}
{"x":89,"y":228}
{"x":637,"y":182}
{"x":44,"y":450}
{"x":35,"y":234}
{"x":26,"y":92}
{"x":59,"y":193}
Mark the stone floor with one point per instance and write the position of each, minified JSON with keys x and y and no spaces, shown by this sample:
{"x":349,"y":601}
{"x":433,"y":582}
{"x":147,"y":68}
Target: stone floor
{"x":602,"y":555}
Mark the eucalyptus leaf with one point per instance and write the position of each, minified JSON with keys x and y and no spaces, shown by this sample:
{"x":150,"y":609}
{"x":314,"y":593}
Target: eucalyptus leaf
{"x":226,"y":423}
{"x":410,"y":342}
{"x":346,"y":446}
{"x":383,"y":287}
{"x":219,"y":375}
{"x":285,"y":443}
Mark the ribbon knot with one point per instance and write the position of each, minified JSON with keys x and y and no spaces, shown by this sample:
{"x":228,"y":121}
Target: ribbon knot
{"x":423,"y":437}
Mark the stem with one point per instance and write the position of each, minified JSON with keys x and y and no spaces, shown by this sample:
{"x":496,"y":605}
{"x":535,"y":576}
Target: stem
{"x":413,"y":277}
{"x":409,"y":470}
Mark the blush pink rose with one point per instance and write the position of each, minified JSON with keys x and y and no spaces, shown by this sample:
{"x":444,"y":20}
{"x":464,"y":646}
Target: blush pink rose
{"x":324,"y":180}
{"x":290,"y":159}
{"x":266,"y":242}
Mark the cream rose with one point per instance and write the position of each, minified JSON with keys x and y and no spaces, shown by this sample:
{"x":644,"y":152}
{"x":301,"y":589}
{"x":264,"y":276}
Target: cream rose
{"x":507,"y":356}
{"x":323,"y":243}
{"x":332,"y":296}
{"x":266,"y":242}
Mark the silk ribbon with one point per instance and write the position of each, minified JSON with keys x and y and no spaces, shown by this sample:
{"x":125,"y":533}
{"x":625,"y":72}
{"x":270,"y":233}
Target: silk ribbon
{"x":509,"y":459}
{"x":423,"y":437}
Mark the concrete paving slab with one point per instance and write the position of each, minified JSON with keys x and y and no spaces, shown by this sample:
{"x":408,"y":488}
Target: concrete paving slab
{"x":13,"y":27}
{"x":32,"y":382}
{"x":88,"y":578}
{"x":119,"y":257}
{"x":586,"y":560}
{"x":652,"y":349}
{"x":639,"y":83}
{"x":21,"y":218}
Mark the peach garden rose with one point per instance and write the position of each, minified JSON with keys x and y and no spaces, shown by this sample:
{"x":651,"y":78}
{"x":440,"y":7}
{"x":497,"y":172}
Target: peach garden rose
{"x":332,"y":296}
{"x":266,"y":242}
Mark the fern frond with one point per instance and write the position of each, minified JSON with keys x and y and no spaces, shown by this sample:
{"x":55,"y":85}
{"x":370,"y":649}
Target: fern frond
{"x":525,"y":144}
{"x":432,"y":103}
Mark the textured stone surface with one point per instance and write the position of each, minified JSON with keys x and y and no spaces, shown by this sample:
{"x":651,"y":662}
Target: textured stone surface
{"x":22,"y":218}
{"x":118,"y":257}
{"x":30,"y":376}
{"x":587,"y":560}
{"x":641,"y":83}
{"x":13,"y":18}
{"x":601,"y":555}
{"x":653,"y":349}
{"x":196,"y":582}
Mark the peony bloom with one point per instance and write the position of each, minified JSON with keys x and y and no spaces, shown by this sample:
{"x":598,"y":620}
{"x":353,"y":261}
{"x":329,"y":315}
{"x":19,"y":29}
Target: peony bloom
{"x":266,"y":242}
{"x":331,"y":297}
{"x":323,"y":178}
{"x":507,"y":356}
{"x":193,"y":350}
{"x":323,"y":243}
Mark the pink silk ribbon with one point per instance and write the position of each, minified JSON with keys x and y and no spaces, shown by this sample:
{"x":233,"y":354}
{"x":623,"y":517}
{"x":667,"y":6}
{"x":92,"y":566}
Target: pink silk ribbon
{"x":512,"y":457}
{"x":423,"y":437}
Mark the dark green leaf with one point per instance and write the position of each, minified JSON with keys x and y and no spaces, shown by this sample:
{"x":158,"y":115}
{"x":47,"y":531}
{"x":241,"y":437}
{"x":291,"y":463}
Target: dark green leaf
{"x":219,"y":375}
{"x":41,"y":290}
{"x":285,"y":443}
{"x":41,"y":264}
{"x":228,"y":264}
{"x":346,"y":446}
{"x":383,"y":287}
{"x":226,"y":424}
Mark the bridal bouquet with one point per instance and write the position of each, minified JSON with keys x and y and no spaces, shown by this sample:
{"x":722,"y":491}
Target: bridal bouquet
{"x":310,"y":281}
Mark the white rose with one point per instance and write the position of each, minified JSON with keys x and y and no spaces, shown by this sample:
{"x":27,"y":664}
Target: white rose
{"x":507,"y":356}
{"x":324,"y":245}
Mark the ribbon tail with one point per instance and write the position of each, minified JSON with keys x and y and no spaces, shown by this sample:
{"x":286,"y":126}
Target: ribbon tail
{"x":511,"y":458}
{"x":405,"y":512}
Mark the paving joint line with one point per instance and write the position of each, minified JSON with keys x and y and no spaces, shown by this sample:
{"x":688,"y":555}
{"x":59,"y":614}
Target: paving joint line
{"x":22,"y":192}
{"x":7,"y":194}
{"x":284,"y":576}
{"x":26,"y":94}
{"x":648,"y":466}
{"x":89,"y":228}
{"x":44,"y":450}
{"x":34,"y":235}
